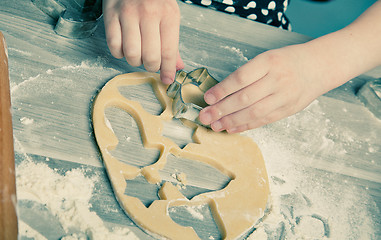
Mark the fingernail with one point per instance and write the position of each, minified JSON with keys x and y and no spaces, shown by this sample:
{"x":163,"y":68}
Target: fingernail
{"x":210,"y":98}
{"x":217,"y":126}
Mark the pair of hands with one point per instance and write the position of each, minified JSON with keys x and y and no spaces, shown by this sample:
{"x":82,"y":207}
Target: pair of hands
{"x":271,"y":86}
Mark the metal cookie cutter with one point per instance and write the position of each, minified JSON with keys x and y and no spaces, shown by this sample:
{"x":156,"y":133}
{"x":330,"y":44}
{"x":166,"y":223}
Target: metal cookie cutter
{"x":188,"y":91}
{"x":74,"y":18}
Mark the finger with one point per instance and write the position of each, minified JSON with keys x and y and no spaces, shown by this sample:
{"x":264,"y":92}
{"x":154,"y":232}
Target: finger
{"x":253,"y":113}
{"x":131,"y":40}
{"x":113,"y":35}
{"x":242,"y":77}
{"x":239,"y":100}
{"x":169,"y":33}
{"x":270,"y":118}
{"x":151,"y":44}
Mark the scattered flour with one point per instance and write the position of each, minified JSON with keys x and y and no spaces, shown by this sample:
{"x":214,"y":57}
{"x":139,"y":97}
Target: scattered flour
{"x":25,"y":53}
{"x":31,"y":79}
{"x":180,"y":177}
{"x":26,"y":121}
{"x":196,"y":212}
{"x":236,"y":51}
{"x":67,"y":198}
{"x":307,"y":203}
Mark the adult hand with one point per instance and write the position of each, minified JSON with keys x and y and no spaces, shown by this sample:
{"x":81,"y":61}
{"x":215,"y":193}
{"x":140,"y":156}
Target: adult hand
{"x":271,"y":86}
{"x":145,"y":32}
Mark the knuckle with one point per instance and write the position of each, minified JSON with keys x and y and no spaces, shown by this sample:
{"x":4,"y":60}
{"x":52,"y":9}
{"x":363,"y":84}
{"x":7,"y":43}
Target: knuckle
{"x":152,"y":65}
{"x":134,"y":62}
{"x":151,"y":68}
{"x":113,"y":44}
{"x":273,"y":57}
{"x":132,"y":57}
{"x":227,"y":122}
{"x":150,"y":59}
{"x":240,"y":77}
{"x":126,"y":9}
{"x":115,"y":48}
{"x":168,"y":56}
{"x":172,"y":8}
{"x":130,"y":51}
{"x":243,"y":98}
{"x":149,"y":9}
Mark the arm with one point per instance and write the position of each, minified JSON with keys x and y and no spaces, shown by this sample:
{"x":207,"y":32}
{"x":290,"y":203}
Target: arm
{"x":145,"y":32}
{"x":281,"y":82}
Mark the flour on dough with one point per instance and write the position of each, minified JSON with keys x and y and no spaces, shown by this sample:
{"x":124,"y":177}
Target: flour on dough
{"x":236,"y":208}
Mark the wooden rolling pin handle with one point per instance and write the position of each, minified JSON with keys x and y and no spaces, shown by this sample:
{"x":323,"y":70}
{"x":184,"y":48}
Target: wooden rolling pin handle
{"x":8,"y":217}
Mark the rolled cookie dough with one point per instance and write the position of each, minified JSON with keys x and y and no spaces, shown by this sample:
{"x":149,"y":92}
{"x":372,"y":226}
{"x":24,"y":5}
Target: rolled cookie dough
{"x":236,"y":208}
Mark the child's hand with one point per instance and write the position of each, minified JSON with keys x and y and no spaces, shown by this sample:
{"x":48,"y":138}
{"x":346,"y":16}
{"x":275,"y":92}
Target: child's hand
{"x":273,"y":85}
{"x":145,"y":32}
{"x":281,"y":82}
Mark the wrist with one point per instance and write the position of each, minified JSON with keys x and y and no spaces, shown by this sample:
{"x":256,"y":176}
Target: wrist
{"x":338,"y":58}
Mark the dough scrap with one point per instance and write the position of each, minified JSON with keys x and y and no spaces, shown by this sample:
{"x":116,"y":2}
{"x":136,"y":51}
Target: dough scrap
{"x":236,"y":208}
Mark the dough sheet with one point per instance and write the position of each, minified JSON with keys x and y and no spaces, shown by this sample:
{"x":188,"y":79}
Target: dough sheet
{"x":236,"y":208}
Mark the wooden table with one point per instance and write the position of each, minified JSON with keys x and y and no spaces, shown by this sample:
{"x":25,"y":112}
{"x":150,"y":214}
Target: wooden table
{"x":329,"y":154}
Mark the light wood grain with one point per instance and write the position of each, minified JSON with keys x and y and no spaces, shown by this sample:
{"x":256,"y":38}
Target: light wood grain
{"x":8,"y":218}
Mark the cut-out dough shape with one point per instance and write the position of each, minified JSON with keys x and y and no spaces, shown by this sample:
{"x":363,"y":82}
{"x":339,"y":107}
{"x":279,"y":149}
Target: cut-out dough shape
{"x":236,"y":208}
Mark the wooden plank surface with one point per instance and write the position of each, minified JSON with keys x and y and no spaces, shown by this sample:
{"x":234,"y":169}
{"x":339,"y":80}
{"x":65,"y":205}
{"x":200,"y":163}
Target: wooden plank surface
{"x":328,"y":154}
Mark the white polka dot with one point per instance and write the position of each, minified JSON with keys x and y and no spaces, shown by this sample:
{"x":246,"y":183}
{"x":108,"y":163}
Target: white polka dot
{"x":252,"y":4}
{"x":188,"y":1}
{"x":265,"y":12}
{"x":285,"y":4}
{"x":269,"y":21}
{"x":206,"y":2}
{"x":271,"y":5}
{"x":280,"y":15}
{"x":230,"y":9}
{"x":228,"y":2}
{"x":283,"y":20}
{"x":252,"y":16}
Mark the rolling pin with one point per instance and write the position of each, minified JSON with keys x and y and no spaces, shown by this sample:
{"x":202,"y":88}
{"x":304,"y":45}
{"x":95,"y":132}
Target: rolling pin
{"x":8,"y":217}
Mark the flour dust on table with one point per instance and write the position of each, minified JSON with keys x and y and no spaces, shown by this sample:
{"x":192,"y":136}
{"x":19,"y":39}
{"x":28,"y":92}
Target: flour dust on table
{"x":308,"y":203}
{"x":67,"y":199}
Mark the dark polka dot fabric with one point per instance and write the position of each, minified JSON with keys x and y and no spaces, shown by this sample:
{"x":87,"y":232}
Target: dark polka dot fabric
{"x":270,"y":12}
